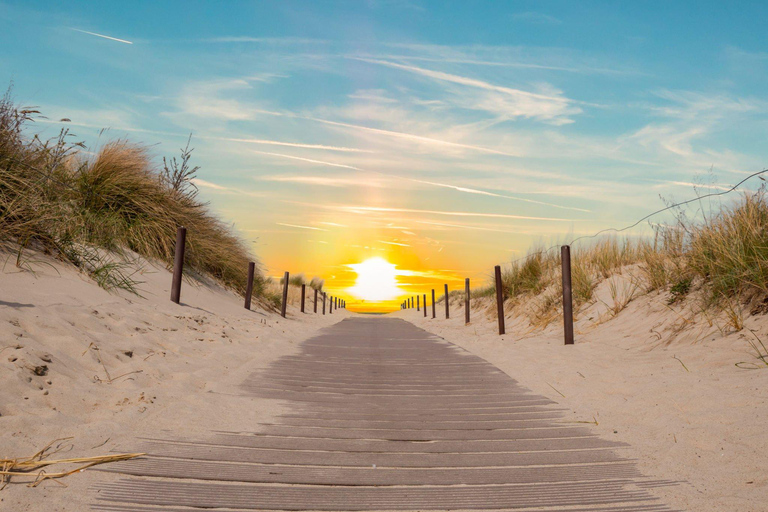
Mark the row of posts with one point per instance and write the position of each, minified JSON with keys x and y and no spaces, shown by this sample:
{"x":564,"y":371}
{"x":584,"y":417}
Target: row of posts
{"x":336,"y":303}
{"x":178,"y":270}
{"x":565,"y":260}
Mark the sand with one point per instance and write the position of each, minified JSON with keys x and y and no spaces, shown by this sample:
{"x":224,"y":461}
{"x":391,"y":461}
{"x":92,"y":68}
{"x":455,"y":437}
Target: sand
{"x":173,"y":367}
{"x":658,"y":377}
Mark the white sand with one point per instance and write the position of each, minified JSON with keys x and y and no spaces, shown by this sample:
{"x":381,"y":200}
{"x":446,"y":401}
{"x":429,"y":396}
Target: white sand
{"x":191,"y":357}
{"x":706,"y":426}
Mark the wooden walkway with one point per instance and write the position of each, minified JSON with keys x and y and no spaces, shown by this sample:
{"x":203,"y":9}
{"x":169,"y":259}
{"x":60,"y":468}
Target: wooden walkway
{"x":386,"y":416}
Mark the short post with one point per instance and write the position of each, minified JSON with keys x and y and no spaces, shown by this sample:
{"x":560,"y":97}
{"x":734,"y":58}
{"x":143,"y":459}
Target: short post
{"x":249,"y":284}
{"x":433,"y":303}
{"x":303,"y":292}
{"x":447,"y":307}
{"x":285,"y":294}
{"x":315,"y":303}
{"x":330,"y":306}
{"x":499,"y":299}
{"x":425,"y":305}
{"x":178,"y":264}
{"x":417,"y":303}
{"x":324,"y":302}
{"x":565,"y":260}
{"x":466,"y":301}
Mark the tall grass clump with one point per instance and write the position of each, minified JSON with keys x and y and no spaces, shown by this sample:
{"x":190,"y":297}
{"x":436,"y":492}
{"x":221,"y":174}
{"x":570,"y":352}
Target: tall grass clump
{"x":730,"y":249}
{"x":89,"y":208}
{"x":723,"y":258}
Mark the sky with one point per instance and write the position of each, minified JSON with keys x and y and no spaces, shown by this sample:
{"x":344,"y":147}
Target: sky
{"x":443,"y":137}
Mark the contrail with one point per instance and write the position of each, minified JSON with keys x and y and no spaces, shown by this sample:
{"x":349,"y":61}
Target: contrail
{"x":102,"y":35}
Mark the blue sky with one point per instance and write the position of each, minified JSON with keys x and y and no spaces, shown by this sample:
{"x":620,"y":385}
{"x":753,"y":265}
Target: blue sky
{"x":441,"y":135}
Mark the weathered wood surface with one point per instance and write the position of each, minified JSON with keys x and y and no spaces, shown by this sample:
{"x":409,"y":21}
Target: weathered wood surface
{"x":386,"y":416}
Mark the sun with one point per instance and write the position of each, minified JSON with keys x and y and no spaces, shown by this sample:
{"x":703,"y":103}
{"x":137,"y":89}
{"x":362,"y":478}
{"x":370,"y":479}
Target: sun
{"x":376,"y":280}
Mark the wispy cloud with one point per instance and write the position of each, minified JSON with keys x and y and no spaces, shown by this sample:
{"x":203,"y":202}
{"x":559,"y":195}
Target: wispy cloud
{"x":339,"y":182}
{"x":325,"y":181}
{"x":505,"y":101}
{"x":207,"y":184}
{"x":411,"y":136}
{"x":215,"y":188}
{"x":493,"y":194}
{"x":299,"y":226}
{"x":264,"y":40}
{"x":287,"y":144}
{"x":365,"y":209}
{"x":102,"y":36}
{"x":308,"y":160}
{"x":393,"y":243}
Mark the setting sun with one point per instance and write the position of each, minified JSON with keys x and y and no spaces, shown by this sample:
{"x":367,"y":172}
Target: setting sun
{"x":376,"y":280}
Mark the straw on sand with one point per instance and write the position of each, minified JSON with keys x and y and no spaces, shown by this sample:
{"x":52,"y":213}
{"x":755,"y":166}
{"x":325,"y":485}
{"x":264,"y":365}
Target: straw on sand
{"x":25,"y":467}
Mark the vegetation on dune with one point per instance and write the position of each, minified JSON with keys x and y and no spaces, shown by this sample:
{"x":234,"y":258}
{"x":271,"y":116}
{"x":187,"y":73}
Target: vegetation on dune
{"x":88,"y":208}
{"x":723,"y":257}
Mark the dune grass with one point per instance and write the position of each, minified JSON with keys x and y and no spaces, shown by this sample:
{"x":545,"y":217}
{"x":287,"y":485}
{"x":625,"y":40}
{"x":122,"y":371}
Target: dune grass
{"x":87,"y":208}
{"x":724,"y":257}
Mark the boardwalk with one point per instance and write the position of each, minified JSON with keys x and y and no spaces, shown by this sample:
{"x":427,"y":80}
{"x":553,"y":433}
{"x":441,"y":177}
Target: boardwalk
{"x":385,"y":416}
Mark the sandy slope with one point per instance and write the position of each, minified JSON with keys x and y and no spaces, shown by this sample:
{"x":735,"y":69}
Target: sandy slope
{"x":705,"y":425}
{"x":191,"y":358}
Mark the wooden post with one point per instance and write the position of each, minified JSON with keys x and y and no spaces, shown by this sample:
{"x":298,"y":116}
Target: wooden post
{"x":303,"y":293}
{"x":466,"y":301}
{"x":433,"y":303}
{"x":447,"y":306}
{"x":565,"y":260}
{"x":417,"y":303}
{"x":178,"y":264}
{"x":330,"y":306}
{"x":315,"y":304}
{"x":249,"y":285}
{"x":425,"y":305}
{"x":324,"y":302}
{"x":285,"y":294}
{"x":499,"y":299}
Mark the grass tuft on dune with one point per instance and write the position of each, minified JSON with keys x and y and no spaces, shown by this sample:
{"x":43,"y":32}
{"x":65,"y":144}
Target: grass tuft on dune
{"x":721,"y":259}
{"x":91,"y":209}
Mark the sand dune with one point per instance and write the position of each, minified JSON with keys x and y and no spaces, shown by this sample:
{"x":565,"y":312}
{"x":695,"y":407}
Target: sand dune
{"x":654,"y":376}
{"x":172,"y":367}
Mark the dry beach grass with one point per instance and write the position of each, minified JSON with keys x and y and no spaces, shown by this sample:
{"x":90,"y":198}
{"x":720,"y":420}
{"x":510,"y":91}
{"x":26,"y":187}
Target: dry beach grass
{"x":89,"y":208}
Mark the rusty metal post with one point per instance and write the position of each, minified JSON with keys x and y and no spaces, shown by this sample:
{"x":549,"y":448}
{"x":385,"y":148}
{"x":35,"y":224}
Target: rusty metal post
{"x":285,"y":294}
{"x":417,"y":303}
{"x":425,"y":305}
{"x":303,"y":293}
{"x":499,"y":299}
{"x":249,"y":285}
{"x":433,"y":303}
{"x":466,"y":301}
{"x":447,"y":306}
{"x":324,"y":294}
{"x":565,"y":260}
{"x":178,"y":264}
{"x":315,"y":304}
